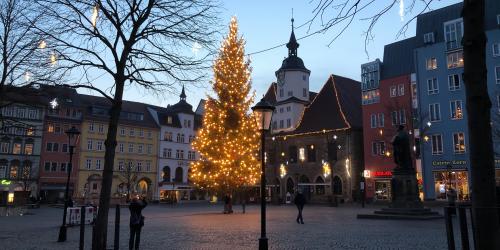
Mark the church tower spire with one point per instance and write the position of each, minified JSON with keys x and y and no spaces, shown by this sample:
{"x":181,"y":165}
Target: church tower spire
{"x":183,"y":94}
{"x":292,"y":45}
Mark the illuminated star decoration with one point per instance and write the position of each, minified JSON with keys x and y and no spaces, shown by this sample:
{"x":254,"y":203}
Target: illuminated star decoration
{"x":196,"y":48}
{"x":54,"y":104}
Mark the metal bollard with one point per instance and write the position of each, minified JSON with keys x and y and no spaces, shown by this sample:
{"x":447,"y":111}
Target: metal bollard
{"x":82,"y":227}
{"x":117,"y":227}
{"x":464,"y":234}
{"x":449,"y":228}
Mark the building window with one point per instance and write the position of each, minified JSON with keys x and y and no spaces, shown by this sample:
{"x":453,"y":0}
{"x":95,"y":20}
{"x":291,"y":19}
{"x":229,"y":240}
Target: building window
{"x":131,"y":132}
{"x":139,"y":166}
{"x":122,"y":131}
{"x":459,"y":143}
{"x":168,"y":136}
{"x":101,"y":128}
{"x":395,"y":117}
{"x":373,"y":120}
{"x":282,"y":123}
{"x":3,"y":170}
{"x":47,"y":166}
{"x":304,"y":92}
{"x":431,"y":63}
{"x":453,"y":34}
{"x":48,"y":147}
{"x":437,"y":144}
{"x":401,"y":90}
{"x":63,"y":167}
{"x":5,"y":147}
{"x":311,"y":153}
{"x":98,"y":164}
{"x":178,"y":137}
{"x":50,"y":128}
{"x":429,"y":37}
{"x":435,"y":112}
{"x":150,"y":149}
{"x":456,"y":109}
{"x":281,"y":92}
{"x":64,"y":148}
{"x":275,"y":124}
{"x":54,"y":167}
{"x":141,"y":133}
{"x":381,"y":120}
{"x":288,"y":123}
{"x":17,"y":148}
{"x":55,"y":147}
{"x":177,"y":154}
{"x":88,"y":164}
{"x":57,"y":128}
{"x":292,"y":154}
{"x":432,"y":86}
{"x":378,"y":148}
{"x":140,"y":148}
{"x":496,"y":49}
{"x":150,"y":134}
{"x":455,"y":59}
{"x":30,"y":131}
{"x":393,"y":91}
{"x":28,"y":149}
{"x":148,"y":166}
{"x":497,"y":74}
{"x":281,"y":110}
{"x":120,"y":148}
{"x":91,"y":127}
{"x":169,"y":153}
{"x":402,"y":116}
{"x":288,"y":109}
{"x":454,"y":82}
{"x":369,"y":97}
{"x":130,"y":147}
{"x":121,"y":166}
{"x":182,"y":138}
{"x":99,"y":145}
{"x":89,"y":144}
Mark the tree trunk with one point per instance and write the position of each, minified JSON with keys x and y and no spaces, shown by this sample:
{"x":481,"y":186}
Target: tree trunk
{"x":99,"y":236}
{"x":478,"y":112}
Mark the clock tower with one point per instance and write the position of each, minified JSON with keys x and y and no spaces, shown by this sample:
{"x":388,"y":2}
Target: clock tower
{"x":292,"y":92}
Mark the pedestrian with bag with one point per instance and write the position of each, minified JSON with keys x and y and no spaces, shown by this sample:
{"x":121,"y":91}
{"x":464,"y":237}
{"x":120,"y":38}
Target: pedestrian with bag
{"x":300,"y":201}
{"x":136,"y":221}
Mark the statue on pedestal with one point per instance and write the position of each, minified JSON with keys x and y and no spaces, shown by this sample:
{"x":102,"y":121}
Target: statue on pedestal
{"x":401,"y":147}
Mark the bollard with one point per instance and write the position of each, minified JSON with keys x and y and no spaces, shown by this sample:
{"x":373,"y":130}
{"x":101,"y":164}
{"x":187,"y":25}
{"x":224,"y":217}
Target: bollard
{"x":464,"y":234}
{"x":449,"y":228}
{"x":117,"y":227}
{"x":82,"y":227}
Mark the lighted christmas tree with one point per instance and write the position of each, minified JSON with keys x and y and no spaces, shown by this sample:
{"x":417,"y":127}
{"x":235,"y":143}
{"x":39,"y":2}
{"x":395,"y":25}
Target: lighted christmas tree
{"x":228,"y":142}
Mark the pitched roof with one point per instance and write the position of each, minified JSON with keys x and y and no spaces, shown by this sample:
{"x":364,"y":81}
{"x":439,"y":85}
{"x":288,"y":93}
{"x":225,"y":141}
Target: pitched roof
{"x":133,"y":113}
{"x":398,"y":58}
{"x":432,"y":21}
{"x":336,"y":106}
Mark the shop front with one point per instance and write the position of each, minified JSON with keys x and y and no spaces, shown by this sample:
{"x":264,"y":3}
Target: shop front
{"x":173,"y":193}
{"x":451,"y":174}
{"x":378,"y":184}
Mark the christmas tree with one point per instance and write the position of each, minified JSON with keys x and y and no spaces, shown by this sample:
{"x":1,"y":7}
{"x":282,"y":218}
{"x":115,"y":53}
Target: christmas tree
{"x":228,"y":141}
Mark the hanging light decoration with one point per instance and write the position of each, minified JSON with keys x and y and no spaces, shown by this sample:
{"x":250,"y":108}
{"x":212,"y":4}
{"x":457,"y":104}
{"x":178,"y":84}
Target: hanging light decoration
{"x":53,"y":59}
{"x":282,"y":170}
{"x":42,"y":44}
{"x":326,"y":169}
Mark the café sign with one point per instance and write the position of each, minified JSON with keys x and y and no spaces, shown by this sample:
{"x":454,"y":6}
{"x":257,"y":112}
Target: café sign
{"x":446,"y":163}
{"x":5,"y":182}
{"x":382,"y":173}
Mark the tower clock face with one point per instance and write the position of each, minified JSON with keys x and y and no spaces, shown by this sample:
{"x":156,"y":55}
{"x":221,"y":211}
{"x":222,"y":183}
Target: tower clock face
{"x":281,"y":78}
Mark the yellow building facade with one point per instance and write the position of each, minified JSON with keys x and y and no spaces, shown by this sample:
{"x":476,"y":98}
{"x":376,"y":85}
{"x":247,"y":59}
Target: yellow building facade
{"x":136,"y":154}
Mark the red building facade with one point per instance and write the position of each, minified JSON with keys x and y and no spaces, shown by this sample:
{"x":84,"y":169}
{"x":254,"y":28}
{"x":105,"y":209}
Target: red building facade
{"x":63,"y":113}
{"x":388,"y":102}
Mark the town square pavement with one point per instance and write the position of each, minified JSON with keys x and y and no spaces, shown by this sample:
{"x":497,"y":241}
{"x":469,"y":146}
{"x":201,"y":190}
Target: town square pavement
{"x":203,"y":226}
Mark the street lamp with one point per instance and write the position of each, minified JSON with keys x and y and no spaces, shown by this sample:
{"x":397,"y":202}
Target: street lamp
{"x":73,"y":135}
{"x":263,"y":112}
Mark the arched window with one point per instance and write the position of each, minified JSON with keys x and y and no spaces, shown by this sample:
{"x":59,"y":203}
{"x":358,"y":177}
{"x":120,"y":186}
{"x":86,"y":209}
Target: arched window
{"x":178,"y":174}
{"x":26,"y":169}
{"x":337,"y":185}
{"x":320,"y":189}
{"x":166,"y":174}
{"x":14,"y":169}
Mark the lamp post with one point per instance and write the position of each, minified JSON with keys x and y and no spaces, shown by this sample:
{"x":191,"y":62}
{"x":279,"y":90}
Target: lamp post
{"x":73,"y":135}
{"x":263,"y":112}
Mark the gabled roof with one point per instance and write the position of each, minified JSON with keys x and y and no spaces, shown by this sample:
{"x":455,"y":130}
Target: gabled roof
{"x":432,"y":21}
{"x":336,"y":106}
{"x":92,"y":103}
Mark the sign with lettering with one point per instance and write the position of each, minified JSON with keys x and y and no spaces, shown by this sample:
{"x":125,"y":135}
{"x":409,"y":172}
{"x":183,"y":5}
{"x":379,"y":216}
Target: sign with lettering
{"x":453,"y":163}
{"x":382,"y":173}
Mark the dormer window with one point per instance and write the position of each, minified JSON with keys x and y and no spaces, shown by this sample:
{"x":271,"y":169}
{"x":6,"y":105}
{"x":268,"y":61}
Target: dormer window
{"x":169,"y":119}
{"x":429,"y":38}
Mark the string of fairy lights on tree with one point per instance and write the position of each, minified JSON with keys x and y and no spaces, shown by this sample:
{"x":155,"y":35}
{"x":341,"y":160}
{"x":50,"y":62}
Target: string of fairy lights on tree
{"x":229,"y":139}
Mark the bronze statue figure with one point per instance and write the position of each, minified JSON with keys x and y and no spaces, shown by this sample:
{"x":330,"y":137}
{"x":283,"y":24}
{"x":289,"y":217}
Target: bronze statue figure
{"x":401,"y":147}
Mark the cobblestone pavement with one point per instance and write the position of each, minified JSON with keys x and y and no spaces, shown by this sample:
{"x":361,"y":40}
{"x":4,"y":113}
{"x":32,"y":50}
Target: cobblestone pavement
{"x":203,"y":226}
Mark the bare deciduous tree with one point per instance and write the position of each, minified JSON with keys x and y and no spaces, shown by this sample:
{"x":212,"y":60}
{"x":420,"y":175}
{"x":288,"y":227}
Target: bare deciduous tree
{"x":144,"y":43}
{"x":333,"y":14}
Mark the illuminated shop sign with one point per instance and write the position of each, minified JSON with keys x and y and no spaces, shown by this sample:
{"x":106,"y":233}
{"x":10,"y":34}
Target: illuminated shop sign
{"x":446,"y":163}
{"x":5,"y":182}
{"x":382,"y":173}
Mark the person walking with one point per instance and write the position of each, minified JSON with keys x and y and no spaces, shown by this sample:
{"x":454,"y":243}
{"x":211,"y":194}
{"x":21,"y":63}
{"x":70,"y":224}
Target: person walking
{"x":300,"y":201}
{"x":136,"y":221}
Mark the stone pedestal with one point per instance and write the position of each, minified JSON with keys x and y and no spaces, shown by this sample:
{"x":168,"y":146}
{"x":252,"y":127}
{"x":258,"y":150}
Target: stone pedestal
{"x":405,"y":204}
{"x":405,"y":189}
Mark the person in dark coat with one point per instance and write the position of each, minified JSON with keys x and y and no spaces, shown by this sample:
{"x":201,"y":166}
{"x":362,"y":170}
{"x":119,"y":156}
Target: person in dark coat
{"x":228,"y":206}
{"x":136,"y":221}
{"x":300,"y":201}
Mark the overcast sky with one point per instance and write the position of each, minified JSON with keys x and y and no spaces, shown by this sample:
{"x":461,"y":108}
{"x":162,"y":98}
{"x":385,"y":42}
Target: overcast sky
{"x":265,"y":24}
